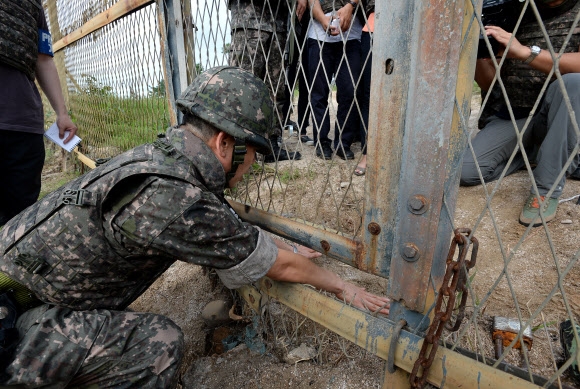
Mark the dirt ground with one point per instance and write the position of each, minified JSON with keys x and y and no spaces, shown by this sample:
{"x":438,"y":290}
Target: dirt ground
{"x":519,"y":272}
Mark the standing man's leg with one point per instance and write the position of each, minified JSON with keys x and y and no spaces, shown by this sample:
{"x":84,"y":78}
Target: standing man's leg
{"x":276,"y":81}
{"x":275,"y":75}
{"x":320,"y":72}
{"x":347,"y":116}
{"x":364,"y":96}
{"x":21,"y":165}
{"x":248,"y":47}
{"x":303,"y":82}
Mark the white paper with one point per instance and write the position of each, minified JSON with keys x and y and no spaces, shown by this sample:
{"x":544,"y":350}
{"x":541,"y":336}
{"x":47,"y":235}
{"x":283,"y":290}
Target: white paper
{"x":52,"y":134}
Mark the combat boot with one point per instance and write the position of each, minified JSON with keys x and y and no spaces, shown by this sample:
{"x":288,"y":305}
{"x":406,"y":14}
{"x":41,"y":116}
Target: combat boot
{"x":279,"y":154}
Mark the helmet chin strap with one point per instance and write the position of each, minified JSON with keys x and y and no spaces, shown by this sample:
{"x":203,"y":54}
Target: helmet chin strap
{"x":238,"y":157}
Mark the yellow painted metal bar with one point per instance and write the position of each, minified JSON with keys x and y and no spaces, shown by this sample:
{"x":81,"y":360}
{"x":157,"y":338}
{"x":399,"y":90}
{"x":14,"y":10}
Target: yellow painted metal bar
{"x":118,"y":10}
{"x":449,"y":369}
{"x":84,"y":159}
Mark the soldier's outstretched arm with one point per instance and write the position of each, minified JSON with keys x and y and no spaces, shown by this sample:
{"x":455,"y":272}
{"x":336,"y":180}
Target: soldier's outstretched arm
{"x":292,"y":267}
{"x":302,"y":250}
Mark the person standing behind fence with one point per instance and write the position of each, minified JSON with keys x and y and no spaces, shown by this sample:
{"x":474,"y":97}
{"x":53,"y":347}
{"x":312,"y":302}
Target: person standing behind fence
{"x":25,"y":54}
{"x":296,"y":70}
{"x":364,"y":87}
{"x":334,"y":51}
{"x":550,"y":136}
{"x":259,"y":34}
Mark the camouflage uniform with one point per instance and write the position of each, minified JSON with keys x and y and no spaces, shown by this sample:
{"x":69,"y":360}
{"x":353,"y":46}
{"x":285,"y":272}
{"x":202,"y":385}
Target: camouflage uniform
{"x":259,"y":34}
{"x":92,"y":253}
{"x":550,"y":135}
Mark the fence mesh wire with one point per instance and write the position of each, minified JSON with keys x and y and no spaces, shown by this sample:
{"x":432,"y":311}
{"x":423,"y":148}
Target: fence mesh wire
{"x":116,"y":93}
{"x":114,"y":77}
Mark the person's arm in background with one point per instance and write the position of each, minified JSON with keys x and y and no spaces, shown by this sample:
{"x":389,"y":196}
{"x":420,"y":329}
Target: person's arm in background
{"x":301,"y":7}
{"x":569,"y":62}
{"x":345,"y":15}
{"x":291,"y":267}
{"x":48,"y":80}
{"x":484,"y":73}
{"x":319,"y":16}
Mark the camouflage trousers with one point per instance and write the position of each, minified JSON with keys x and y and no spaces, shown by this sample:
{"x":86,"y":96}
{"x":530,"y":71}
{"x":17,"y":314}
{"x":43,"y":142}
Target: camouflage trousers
{"x":60,"y":347}
{"x":262,"y":54}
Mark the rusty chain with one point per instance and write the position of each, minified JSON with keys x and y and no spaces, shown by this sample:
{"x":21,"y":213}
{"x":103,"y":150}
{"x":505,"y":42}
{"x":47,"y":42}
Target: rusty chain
{"x":454,"y":281}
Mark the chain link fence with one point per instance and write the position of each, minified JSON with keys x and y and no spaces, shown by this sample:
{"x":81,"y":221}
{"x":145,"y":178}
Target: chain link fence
{"x":122,"y":78}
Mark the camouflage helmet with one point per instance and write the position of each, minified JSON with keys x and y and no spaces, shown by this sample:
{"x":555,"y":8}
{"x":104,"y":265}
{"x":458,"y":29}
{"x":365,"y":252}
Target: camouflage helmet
{"x":234,"y":101}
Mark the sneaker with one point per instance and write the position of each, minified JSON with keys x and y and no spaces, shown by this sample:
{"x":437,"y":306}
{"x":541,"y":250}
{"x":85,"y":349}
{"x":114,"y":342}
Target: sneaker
{"x":324,"y":151}
{"x":345,"y":153}
{"x":308,"y":141}
{"x":530,"y":212}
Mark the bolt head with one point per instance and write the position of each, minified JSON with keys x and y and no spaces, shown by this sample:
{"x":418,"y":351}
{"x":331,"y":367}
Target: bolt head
{"x":409,"y":251}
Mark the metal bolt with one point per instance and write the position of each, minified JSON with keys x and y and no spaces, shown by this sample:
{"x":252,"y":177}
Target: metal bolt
{"x":4,"y":312}
{"x":252,"y":299}
{"x":325,"y":245}
{"x":268,"y":284}
{"x":418,"y":204}
{"x":410,"y":252}
{"x":374,"y":228}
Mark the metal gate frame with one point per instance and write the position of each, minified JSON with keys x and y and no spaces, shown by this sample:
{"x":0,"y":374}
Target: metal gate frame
{"x":422,"y":48}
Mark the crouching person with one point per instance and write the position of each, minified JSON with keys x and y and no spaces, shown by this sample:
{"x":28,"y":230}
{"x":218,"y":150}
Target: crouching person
{"x":76,"y":259}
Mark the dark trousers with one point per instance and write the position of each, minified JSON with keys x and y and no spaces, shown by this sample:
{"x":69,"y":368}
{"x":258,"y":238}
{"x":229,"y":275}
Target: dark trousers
{"x":298,"y":68}
{"x":21,"y":162}
{"x":325,"y":61}
{"x":551,"y":131}
{"x":364,"y":88}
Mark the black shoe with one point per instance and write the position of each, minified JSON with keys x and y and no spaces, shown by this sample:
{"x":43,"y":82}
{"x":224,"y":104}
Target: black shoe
{"x":345,"y":153}
{"x":576,"y":174}
{"x":308,"y":141}
{"x":324,"y":151}
{"x":282,"y":155}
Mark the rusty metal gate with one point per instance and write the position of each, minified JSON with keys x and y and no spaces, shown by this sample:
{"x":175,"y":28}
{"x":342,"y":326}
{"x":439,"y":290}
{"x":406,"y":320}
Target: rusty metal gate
{"x":123,"y":63}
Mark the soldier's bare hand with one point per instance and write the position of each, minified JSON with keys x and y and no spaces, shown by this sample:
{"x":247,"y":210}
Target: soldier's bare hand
{"x":307,"y":252}
{"x":360,"y":298}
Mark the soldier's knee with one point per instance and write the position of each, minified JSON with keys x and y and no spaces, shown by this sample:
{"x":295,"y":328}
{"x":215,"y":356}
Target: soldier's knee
{"x":171,"y":335}
{"x":167,"y":340}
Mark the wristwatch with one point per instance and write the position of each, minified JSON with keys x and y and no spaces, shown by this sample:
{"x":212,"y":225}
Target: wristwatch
{"x":535,"y":51}
{"x":353,"y":3}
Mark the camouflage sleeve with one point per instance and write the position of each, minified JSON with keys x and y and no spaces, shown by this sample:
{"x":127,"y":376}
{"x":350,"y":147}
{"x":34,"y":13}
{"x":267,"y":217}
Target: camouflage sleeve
{"x":176,"y":219}
{"x":254,"y":267}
